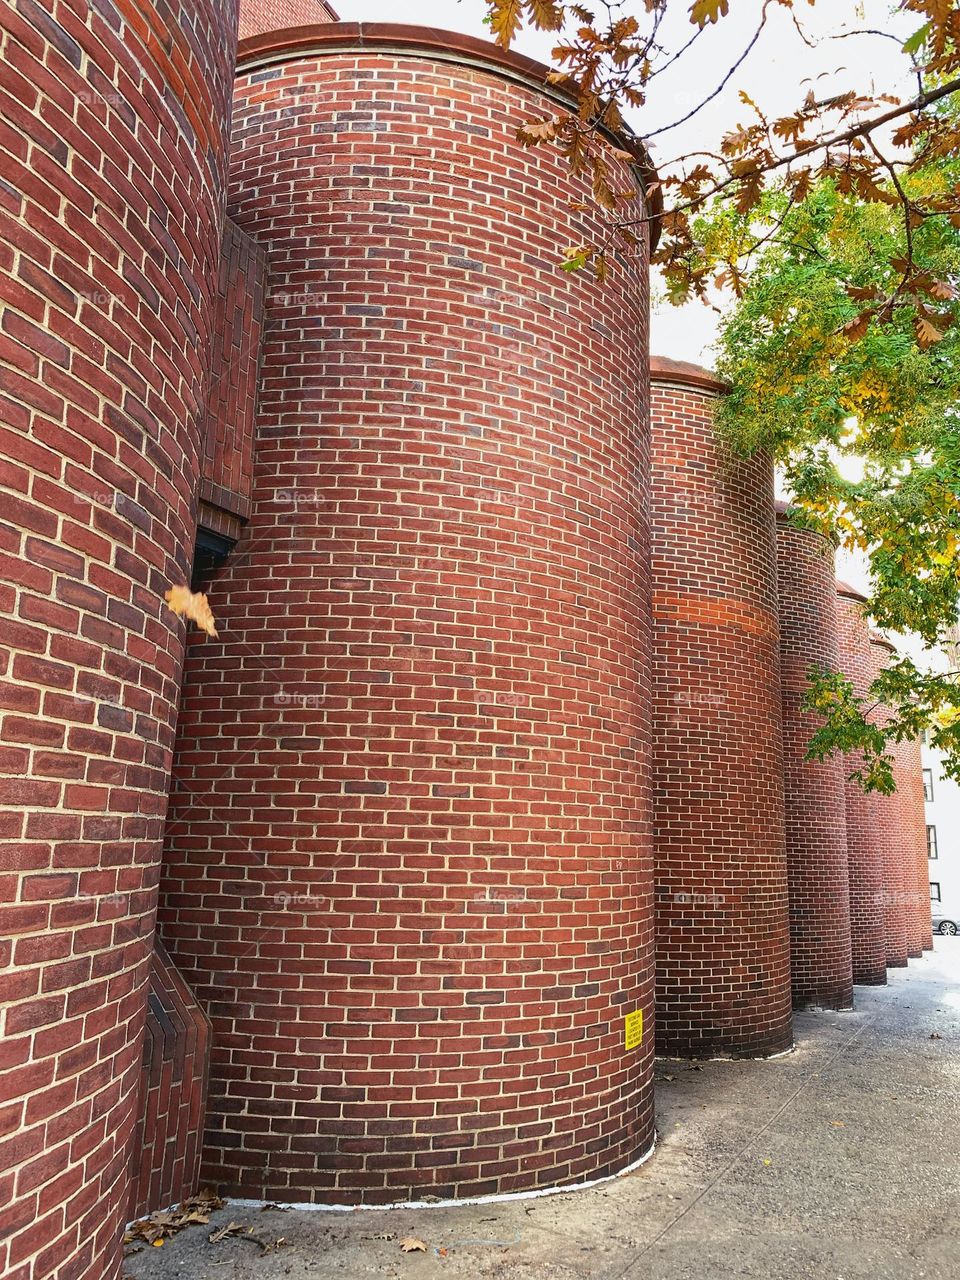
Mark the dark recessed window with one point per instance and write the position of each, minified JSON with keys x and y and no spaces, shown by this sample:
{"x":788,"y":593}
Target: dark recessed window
{"x":932,"y":842}
{"x":934,"y":890}
{"x":927,"y":784}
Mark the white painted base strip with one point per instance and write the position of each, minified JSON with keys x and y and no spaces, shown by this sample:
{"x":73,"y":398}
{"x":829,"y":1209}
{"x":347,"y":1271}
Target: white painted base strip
{"x":310,"y":1207}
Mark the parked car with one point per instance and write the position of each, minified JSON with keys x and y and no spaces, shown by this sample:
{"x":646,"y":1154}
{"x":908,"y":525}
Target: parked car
{"x":944,"y":924}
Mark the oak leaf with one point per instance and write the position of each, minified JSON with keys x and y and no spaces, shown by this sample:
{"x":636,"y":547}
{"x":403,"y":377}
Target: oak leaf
{"x":505,"y":19}
{"x":192,"y":605}
{"x":704,"y":11}
{"x":928,"y":335}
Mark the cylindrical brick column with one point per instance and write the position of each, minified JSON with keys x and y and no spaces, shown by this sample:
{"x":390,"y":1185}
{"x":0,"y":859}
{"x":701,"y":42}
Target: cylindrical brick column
{"x":820,"y":949}
{"x":912,"y":834}
{"x":925,"y":907}
{"x":261,"y":17}
{"x":114,"y":165}
{"x":864,"y":858}
{"x":723,"y":938}
{"x":892,"y":838}
{"x":410,"y":865}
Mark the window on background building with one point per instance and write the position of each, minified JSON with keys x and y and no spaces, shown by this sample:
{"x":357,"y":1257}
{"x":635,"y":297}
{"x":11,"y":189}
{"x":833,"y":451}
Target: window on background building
{"x":927,"y":784}
{"x":932,"y":842}
{"x":934,"y":890}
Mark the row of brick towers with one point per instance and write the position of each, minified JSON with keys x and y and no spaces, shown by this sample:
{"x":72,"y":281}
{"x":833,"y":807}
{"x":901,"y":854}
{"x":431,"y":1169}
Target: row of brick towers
{"x":498,"y":757}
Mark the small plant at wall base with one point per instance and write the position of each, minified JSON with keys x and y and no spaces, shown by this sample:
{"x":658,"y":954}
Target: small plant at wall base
{"x":837,"y":230}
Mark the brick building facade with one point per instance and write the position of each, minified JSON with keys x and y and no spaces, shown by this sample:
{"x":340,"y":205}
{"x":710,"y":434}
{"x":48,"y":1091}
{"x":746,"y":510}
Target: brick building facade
{"x":425,"y":732}
{"x":816,"y":820}
{"x":864,"y":837}
{"x":459,"y":719}
{"x":722,"y":926}
{"x":114,"y":169}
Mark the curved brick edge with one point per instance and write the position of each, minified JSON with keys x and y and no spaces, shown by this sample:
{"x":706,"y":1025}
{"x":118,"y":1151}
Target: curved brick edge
{"x":540,"y":1193}
{"x":258,"y":17}
{"x":114,"y":163}
{"x":426,"y":723}
{"x":173,"y":1092}
{"x":908,"y":771}
{"x":722,"y":935}
{"x":273,"y":47}
{"x":683,"y":373}
{"x":867,"y":917}
{"x":898,"y":894}
{"x":821,"y":956}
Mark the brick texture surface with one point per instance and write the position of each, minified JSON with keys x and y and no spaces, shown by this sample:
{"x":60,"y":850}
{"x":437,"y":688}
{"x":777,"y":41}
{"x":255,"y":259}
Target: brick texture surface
{"x":864,"y":833}
{"x":409,"y":860}
{"x":165,"y":1164}
{"x":820,"y":949}
{"x":227,"y":463}
{"x":113,"y":157}
{"x":723,"y":939}
{"x":908,"y":774}
{"x":259,"y":16}
{"x":898,"y":897}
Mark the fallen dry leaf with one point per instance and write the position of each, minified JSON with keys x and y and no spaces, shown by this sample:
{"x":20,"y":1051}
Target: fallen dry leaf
{"x":192,"y":605}
{"x":410,"y":1244}
{"x":157,"y":1227}
{"x":232,"y":1229}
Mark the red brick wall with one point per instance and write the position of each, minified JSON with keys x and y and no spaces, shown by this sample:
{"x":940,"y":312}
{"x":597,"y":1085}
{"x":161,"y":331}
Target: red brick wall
{"x":257,"y":16}
{"x":908,"y":773}
{"x":165,"y":1155}
{"x":892,"y":840}
{"x":112,"y":151}
{"x":409,"y":855}
{"x":864,"y":836}
{"x":820,"y":952}
{"x":227,"y":464}
{"x":723,"y":940}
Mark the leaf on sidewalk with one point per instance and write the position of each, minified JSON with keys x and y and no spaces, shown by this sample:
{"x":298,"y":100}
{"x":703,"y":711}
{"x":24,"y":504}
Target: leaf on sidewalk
{"x":232,"y":1229}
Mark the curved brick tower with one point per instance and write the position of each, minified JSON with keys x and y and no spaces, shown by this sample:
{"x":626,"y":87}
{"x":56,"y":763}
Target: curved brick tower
{"x":864,"y":835}
{"x":110,"y":224}
{"x":912,"y":839}
{"x":916,"y":817}
{"x":820,"y":951}
{"x":417,"y":892}
{"x":260,"y":17}
{"x":723,"y":937}
{"x":898,"y":897}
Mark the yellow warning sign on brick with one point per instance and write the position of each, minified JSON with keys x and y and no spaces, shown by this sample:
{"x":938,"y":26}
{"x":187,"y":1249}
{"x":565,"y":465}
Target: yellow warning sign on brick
{"x":633,"y":1029}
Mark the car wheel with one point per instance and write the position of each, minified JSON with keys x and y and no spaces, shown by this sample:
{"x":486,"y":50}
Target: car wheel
{"x":949,"y":928}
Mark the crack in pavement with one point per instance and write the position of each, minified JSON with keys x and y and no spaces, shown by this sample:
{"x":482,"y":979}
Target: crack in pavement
{"x":718,"y":1177}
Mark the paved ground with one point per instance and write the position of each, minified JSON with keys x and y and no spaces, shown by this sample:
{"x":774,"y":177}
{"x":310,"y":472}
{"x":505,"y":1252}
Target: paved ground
{"x":839,"y":1162}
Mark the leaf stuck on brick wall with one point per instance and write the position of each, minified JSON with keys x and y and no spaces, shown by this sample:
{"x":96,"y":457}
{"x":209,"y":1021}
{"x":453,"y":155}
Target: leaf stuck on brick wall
{"x":192,"y":605}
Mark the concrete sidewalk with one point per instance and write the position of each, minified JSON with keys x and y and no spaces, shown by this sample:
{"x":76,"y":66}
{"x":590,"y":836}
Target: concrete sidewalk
{"x":838,"y":1162}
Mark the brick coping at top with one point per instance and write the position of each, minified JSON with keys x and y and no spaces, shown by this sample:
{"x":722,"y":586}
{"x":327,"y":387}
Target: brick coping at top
{"x":686,"y":374}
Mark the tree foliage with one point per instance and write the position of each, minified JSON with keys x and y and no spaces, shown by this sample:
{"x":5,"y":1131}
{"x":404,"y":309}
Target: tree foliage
{"x":836,"y":227}
{"x":607,"y":57}
{"x":860,"y":409}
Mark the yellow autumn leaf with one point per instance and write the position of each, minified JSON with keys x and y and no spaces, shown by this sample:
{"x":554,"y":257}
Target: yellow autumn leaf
{"x":704,"y":11}
{"x":192,"y":605}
